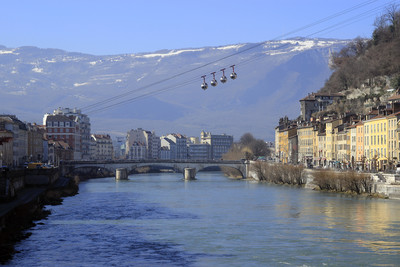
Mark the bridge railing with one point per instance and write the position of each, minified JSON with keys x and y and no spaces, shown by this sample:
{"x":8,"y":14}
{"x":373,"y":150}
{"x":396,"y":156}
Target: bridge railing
{"x":222,"y":162}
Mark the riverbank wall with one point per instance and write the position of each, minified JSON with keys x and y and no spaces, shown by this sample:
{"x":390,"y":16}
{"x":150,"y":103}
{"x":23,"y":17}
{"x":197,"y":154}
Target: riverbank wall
{"x":383,"y":184}
{"x":24,"y":193}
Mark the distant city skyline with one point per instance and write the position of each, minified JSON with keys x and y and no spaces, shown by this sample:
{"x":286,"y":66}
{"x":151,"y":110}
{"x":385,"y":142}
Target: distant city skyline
{"x":119,"y":27}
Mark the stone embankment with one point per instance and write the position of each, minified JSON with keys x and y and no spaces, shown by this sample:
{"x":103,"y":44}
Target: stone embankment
{"x":23,"y":195}
{"x":378,"y":184}
{"x":383,"y":184}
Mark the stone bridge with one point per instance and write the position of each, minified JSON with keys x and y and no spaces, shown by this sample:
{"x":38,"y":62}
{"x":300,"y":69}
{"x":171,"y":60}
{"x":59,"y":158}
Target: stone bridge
{"x":69,"y":167}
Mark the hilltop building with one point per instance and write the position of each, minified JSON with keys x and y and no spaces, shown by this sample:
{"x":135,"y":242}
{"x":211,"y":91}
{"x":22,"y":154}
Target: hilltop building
{"x":316,"y":102}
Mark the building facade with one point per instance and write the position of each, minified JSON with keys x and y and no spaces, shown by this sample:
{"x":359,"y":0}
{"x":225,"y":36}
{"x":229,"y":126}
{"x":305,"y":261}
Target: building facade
{"x":6,"y":148}
{"x":35,"y":142}
{"x":305,"y":135}
{"x":137,"y":151}
{"x":104,"y":149}
{"x":63,"y":128}
{"x":199,"y":151}
{"x":220,"y":143}
{"x":20,"y":138}
{"x":179,"y":149}
{"x":316,"y":102}
{"x":83,"y":121}
{"x":147,"y":138}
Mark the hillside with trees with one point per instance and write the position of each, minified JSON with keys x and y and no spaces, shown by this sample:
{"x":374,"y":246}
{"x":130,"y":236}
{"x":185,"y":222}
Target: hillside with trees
{"x":366,"y":69}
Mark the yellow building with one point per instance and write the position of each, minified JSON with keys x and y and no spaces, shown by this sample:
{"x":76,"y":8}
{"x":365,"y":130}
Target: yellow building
{"x":305,"y":140}
{"x":331,"y":154}
{"x":392,"y":139}
{"x":284,"y":136}
{"x":321,"y":149}
{"x":360,"y":159}
{"x":375,"y":135}
{"x":342,"y":146}
{"x":277,"y":141}
{"x":353,"y":144}
{"x":315,"y":146}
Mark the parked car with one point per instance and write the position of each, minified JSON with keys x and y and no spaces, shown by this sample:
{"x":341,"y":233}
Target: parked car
{"x":35,"y":165}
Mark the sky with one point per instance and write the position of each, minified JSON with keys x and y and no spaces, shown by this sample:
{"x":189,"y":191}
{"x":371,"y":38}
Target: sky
{"x":101,"y":27}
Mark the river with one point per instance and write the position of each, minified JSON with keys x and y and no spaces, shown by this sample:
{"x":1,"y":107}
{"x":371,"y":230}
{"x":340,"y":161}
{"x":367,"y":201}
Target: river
{"x":161,"y":220}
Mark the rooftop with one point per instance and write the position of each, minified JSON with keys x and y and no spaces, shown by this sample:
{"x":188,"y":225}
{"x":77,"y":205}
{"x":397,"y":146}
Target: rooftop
{"x":314,"y":96}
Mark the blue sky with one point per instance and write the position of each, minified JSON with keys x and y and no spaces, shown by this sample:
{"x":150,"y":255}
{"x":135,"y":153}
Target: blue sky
{"x":127,"y":26}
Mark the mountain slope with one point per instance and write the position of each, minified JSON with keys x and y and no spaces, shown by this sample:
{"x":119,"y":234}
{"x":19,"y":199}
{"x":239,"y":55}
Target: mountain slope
{"x":272,"y":77}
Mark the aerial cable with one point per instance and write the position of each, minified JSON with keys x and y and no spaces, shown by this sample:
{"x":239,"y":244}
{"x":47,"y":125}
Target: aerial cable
{"x":93,"y":106}
{"x":331,"y":28}
{"x":156,"y":92}
{"x":328,"y":18}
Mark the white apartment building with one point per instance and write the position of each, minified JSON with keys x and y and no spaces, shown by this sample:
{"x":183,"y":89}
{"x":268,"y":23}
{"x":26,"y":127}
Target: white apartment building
{"x":179,"y":145}
{"x":149,"y":139}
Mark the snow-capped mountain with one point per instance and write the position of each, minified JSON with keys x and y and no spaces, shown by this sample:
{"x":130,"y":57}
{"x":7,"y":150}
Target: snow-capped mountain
{"x":161,"y":91}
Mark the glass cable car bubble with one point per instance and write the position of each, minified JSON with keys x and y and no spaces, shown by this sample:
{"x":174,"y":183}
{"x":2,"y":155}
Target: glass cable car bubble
{"x":233,"y":74}
{"x":213,"y":81}
{"x":204,"y":85}
{"x":223,"y":79}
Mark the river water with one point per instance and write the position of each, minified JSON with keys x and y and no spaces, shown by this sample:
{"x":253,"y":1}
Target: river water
{"x":161,"y":220}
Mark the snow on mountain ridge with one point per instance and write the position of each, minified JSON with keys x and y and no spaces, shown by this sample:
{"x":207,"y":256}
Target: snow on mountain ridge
{"x":36,"y":81}
{"x":170,"y":53}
